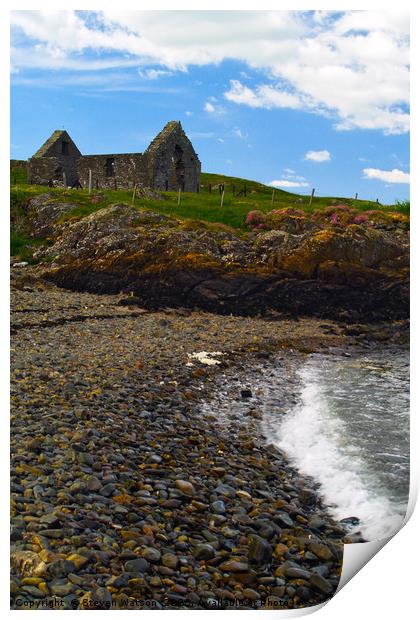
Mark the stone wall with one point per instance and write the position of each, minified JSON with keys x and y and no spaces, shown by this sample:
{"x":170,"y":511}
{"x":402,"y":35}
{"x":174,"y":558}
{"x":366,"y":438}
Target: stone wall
{"x":172,"y":162}
{"x":112,"y":171}
{"x":62,"y":155}
{"x":169,"y":163}
{"x":43,"y":169}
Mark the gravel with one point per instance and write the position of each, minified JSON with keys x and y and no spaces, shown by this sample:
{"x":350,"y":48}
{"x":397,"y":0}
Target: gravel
{"x":126,"y":491}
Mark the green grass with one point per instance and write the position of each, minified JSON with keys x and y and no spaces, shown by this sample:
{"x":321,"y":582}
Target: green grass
{"x":403,"y":206}
{"x":22,"y":246}
{"x":205,"y":206}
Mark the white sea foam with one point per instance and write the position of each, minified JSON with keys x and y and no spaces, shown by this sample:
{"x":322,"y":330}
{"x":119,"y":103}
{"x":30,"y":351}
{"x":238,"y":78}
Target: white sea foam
{"x":315,"y":440}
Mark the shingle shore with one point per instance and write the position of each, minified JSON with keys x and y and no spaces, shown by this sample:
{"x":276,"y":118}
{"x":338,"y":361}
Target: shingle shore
{"x":125,"y":492}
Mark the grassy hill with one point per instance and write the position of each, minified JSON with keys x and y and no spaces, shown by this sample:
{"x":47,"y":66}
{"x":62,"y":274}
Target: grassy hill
{"x":240,"y":197}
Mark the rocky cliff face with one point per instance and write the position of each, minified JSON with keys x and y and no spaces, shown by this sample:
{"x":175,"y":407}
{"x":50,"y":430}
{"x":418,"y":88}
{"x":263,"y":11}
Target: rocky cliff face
{"x":353,"y":273}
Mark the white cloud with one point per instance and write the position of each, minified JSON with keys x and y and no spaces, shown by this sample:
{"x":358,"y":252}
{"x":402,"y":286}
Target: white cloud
{"x":318,"y":156}
{"x":288,"y":173}
{"x":153,"y":74}
{"x":389,"y":176}
{"x":351,"y":66}
{"x":263,"y":97}
{"x":213,"y":108}
{"x":209,"y":107}
{"x":287,"y":183}
{"x":239,"y":134}
{"x":188,"y":113}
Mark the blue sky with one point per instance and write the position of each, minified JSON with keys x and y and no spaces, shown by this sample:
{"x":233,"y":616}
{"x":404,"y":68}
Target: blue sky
{"x":294,"y":99}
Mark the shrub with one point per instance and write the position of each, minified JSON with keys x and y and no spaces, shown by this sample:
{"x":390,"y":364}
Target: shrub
{"x":287,"y":211}
{"x":362,"y":218}
{"x":339,"y":208}
{"x":255,"y":218}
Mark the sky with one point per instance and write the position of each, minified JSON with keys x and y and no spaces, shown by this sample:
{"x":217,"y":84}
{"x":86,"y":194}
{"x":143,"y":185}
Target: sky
{"x":294,"y":99}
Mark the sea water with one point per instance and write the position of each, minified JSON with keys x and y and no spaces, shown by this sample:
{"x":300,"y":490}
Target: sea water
{"x":349,"y":431}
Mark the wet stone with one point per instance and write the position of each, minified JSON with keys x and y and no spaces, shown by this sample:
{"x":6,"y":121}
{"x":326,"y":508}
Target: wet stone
{"x":297,"y":573}
{"x":321,"y":551}
{"x":118,"y":581}
{"x":151,"y":554}
{"x":319,"y":583}
{"x":60,"y":568}
{"x":185,"y":486}
{"x":204,"y":552}
{"x":170,"y":560}
{"x":139,"y":565}
{"x":233,"y":566}
{"x":260,"y":551}
{"x":218,"y":507}
{"x":61,"y":590}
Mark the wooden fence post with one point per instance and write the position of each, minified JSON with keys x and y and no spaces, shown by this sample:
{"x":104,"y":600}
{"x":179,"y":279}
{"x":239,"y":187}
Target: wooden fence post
{"x":272,"y":198}
{"x":222,"y":198}
{"x":179,"y":196}
{"x":134,"y":195}
{"x":90,"y":181}
{"x":64,"y":179}
{"x":312,"y":195}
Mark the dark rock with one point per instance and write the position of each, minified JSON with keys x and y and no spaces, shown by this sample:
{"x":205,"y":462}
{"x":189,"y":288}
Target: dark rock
{"x":139,"y":565}
{"x":283,"y":519}
{"x":297,"y":573}
{"x":118,"y":581}
{"x":218,"y":507}
{"x":352,"y":521}
{"x":204,"y":552}
{"x":353,"y":272}
{"x":321,"y":551}
{"x":151,"y":554}
{"x":233,"y":566}
{"x":307,"y":497}
{"x":260,"y":551}
{"x":319,"y":583}
{"x":170,"y":560}
{"x":60,"y":568}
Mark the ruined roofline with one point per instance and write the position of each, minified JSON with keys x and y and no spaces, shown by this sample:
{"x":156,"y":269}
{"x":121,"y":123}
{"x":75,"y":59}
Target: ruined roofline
{"x":162,"y":135}
{"x":54,"y":137}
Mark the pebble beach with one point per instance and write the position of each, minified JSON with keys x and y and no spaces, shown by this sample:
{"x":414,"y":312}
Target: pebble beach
{"x":127,"y":493}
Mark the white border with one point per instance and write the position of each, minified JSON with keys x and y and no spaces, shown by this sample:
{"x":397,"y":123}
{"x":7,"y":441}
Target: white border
{"x":386,"y":586}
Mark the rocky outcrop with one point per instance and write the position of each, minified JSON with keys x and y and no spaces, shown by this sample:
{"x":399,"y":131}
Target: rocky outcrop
{"x":40,"y":216}
{"x":355,"y":273}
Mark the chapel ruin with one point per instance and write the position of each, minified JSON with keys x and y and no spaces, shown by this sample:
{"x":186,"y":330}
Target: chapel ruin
{"x":169,"y":163}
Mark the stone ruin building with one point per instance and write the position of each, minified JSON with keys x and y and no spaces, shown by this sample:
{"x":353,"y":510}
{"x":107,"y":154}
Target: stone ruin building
{"x":169,"y":163}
